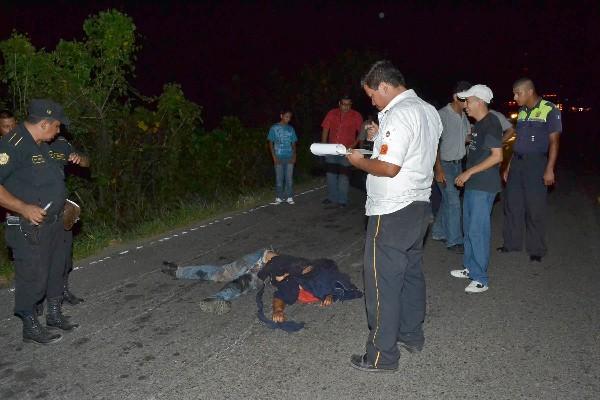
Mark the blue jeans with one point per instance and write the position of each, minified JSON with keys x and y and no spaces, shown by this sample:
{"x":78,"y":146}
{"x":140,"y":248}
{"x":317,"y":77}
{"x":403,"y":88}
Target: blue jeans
{"x":284,"y":185}
{"x":447,"y":221}
{"x":240,"y":274}
{"x":477,"y":210}
{"x":338,"y":182}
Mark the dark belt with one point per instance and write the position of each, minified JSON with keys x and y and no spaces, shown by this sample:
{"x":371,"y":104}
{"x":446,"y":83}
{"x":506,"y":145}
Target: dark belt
{"x":453,"y":161}
{"x":526,"y":156}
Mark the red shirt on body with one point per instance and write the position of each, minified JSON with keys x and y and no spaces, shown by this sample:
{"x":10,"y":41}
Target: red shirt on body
{"x":342,"y":127}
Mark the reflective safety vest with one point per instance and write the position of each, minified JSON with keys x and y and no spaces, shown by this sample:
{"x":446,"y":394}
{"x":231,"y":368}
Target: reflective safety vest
{"x":534,"y":127}
{"x":538,"y":114}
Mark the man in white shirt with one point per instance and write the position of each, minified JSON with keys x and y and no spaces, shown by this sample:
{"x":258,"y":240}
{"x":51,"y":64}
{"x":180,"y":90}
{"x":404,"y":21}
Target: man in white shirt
{"x":398,"y":188}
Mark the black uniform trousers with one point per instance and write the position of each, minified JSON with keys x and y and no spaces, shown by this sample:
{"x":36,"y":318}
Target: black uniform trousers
{"x":394,"y":282}
{"x":525,"y":198}
{"x":68,"y":243}
{"x":39,"y":258}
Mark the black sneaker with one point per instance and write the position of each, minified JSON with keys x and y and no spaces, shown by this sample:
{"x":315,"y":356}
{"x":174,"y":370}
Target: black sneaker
{"x":360,"y":362}
{"x":535,"y":259}
{"x":169,"y":268}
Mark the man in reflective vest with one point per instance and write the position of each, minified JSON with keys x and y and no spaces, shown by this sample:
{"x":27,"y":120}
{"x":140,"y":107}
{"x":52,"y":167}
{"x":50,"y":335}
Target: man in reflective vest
{"x":530,"y":172}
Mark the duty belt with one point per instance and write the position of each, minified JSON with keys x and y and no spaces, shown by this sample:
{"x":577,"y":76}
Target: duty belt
{"x":453,"y":161}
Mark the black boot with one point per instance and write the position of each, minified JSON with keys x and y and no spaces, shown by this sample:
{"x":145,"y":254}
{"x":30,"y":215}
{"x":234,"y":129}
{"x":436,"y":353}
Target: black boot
{"x":68,"y":296}
{"x":39,"y":309}
{"x":55,"y":318}
{"x":34,"y":332}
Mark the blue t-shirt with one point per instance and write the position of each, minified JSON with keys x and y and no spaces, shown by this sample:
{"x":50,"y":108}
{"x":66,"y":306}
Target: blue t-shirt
{"x":282,"y":137}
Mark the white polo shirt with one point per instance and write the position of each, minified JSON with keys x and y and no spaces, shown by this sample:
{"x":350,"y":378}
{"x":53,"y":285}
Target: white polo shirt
{"x":409,"y":132}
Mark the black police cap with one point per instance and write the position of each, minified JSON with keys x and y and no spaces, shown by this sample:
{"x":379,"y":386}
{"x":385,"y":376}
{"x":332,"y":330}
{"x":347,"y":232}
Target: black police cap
{"x":48,"y":109}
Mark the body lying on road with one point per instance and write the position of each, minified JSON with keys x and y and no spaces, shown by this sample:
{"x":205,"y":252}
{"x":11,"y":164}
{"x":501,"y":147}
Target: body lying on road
{"x":295,"y":280}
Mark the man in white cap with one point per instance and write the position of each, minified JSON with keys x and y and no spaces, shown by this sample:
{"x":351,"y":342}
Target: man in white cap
{"x":481,"y":180}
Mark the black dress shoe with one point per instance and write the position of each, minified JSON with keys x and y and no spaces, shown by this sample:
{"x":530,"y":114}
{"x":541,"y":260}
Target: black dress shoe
{"x":411,"y":348}
{"x":535,"y":258}
{"x":361,"y":363}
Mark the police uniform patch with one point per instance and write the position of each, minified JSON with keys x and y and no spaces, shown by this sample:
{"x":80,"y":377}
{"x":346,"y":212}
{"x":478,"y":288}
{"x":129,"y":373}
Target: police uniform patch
{"x":384,"y":149}
{"x":37,"y":159}
{"x":4,"y":158}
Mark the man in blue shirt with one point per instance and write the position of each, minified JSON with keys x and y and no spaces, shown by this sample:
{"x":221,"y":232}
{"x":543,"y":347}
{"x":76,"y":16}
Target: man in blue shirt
{"x":530,"y":172}
{"x":282,"y":143}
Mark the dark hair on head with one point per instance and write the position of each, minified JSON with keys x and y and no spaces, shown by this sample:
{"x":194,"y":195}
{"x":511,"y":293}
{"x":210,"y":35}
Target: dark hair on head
{"x":383,"y":71}
{"x":4,"y":114}
{"x":461,"y":86}
{"x":285,"y":110}
{"x":372,"y":117}
{"x":345,"y":97}
{"x":528,"y":83}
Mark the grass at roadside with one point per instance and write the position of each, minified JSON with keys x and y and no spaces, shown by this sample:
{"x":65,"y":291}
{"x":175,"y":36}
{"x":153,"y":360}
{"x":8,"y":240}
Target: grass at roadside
{"x":89,"y":243}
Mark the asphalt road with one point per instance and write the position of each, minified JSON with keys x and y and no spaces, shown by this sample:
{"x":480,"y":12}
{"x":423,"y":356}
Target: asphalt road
{"x":535,"y":334}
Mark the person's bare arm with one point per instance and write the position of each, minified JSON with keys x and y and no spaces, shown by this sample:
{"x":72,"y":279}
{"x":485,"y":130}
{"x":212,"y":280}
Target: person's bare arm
{"x":552,"y":156}
{"x":494,"y":158}
{"x":30,"y":212}
{"x":508,"y":134}
{"x":275,"y":160}
{"x":440,"y":176}
{"x":373,"y":166}
{"x":324,"y":135}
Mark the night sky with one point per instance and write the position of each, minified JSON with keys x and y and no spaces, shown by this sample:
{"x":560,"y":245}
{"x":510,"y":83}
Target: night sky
{"x":203,"y":44}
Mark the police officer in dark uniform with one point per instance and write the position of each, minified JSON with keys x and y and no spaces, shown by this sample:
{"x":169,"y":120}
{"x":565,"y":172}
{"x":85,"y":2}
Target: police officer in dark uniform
{"x":63,"y":152}
{"x":32,"y":189}
{"x":530,"y":172}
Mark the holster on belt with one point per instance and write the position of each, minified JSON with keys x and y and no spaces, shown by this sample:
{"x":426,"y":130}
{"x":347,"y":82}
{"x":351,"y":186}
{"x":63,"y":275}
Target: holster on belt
{"x":71,"y":214}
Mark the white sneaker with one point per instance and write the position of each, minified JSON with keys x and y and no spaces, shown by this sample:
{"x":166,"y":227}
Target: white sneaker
{"x":290,"y":201}
{"x":476,"y":287}
{"x":460,"y":273}
{"x":277,"y":201}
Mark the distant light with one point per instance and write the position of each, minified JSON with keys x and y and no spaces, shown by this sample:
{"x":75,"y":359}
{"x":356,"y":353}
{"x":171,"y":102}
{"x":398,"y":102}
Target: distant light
{"x":514,"y":115}
{"x":381,"y":15}
{"x":580,"y":109}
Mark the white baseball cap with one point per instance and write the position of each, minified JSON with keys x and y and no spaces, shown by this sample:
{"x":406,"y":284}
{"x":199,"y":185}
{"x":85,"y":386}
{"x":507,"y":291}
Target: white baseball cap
{"x":480,"y":91}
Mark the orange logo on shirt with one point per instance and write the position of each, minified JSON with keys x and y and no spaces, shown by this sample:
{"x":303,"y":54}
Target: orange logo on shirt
{"x":383,"y":150}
